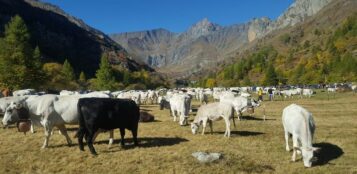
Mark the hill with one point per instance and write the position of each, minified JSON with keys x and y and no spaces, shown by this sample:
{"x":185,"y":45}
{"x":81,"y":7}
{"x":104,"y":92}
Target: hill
{"x":61,"y":36}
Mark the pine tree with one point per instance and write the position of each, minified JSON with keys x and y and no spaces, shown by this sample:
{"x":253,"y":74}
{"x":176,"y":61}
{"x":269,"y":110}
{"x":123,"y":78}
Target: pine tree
{"x":82,"y":81}
{"x":20,"y":65}
{"x":82,"y":77}
{"x":105,"y":77}
{"x":270,"y":76}
{"x":67,"y":71}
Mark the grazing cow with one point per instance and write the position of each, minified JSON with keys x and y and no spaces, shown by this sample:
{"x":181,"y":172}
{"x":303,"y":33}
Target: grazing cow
{"x":212,"y":112}
{"x":299,"y":122}
{"x":107,"y":114}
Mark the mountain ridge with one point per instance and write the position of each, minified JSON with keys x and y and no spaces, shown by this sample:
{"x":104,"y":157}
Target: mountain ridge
{"x":180,"y":56}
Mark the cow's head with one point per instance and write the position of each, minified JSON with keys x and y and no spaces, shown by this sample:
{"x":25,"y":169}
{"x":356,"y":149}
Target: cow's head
{"x":308,"y":155}
{"x":194,"y":128}
{"x":12,"y":115}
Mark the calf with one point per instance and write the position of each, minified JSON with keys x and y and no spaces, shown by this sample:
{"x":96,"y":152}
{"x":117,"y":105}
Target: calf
{"x":299,"y":122}
{"x":107,"y":114}
{"x":212,"y":112}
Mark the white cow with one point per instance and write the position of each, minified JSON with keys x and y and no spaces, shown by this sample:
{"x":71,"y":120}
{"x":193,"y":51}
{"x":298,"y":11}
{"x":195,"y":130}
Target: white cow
{"x":49,"y":111}
{"x":5,"y":101}
{"x":180,"y":106}
{"x":299,"y":122}
{"x":240,"y":103}
{"x":213,"y":112}
{"x":24,"y":92}
{"x":66,"y":92}
{"x":202,"y":97}
{"x":307,"y":92}
{"x":331,"y":90}
{"x":354,"y":88}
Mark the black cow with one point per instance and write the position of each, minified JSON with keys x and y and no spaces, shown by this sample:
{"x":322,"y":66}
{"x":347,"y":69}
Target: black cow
{"x":107,"y":114}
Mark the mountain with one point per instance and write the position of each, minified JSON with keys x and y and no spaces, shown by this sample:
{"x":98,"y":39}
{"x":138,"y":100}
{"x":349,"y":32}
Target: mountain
{"x":206,"y":44}
{"x":320,"y":49}
{"x":61,"y":36}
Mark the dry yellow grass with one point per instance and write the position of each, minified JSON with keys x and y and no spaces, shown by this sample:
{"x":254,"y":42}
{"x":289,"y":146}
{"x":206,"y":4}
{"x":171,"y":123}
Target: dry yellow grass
{"x":255,"y":146}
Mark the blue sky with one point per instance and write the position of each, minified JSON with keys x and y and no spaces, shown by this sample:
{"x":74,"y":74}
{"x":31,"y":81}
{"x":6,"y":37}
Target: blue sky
{"x":116,"y":16}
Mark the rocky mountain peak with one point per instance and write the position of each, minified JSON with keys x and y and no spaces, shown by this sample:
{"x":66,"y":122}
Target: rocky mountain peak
{"x":299,"y":10}
{"x":202,"y":28}
{"x":258,"y":28}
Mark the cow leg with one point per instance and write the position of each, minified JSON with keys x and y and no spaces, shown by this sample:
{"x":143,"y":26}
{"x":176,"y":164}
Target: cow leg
{"x":122,"y":134}
{"x":80,"y":135}
{"x":287,"y":141}
{"x":239,"y":114}
{"x":204,"y":124}
{"x":111,"y":137}
{"x":210,"y":125}
{"x":48,"y":130}
{"x":63,"y":130}
{"x":90,"y":135}
{"x":173,"y":114}
{"x":295,"y":147}
{"x":135,"y":134}
{"x":32,"y":128}
{"x":228,"y":130}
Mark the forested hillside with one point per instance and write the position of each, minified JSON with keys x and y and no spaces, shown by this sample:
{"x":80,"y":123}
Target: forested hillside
{"x":306,"y":56}
{"x":23,"y":66}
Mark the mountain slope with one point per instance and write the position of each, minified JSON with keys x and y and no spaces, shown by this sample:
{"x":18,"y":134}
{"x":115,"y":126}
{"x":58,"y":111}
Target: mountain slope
{"x":321,"y":49}
{"x":61,"y":36}
{"x":205,"y":44}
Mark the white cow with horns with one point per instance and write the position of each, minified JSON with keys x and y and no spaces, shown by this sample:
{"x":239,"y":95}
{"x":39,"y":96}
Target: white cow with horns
{"x":299,"y":122}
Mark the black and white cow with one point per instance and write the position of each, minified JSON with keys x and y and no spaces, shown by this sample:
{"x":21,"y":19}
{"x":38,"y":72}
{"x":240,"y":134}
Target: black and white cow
{"x":106,"y":114}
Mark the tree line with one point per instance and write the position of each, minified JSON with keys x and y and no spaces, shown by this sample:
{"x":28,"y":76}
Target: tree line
{"x":22,"y":66}
{"x":307,"y":62}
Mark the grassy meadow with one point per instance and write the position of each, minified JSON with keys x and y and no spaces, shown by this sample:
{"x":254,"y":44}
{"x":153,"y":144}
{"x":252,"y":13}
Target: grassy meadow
{"x":256,"y":146}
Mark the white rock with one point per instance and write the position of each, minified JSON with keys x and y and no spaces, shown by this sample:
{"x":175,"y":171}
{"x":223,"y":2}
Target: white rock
{"x":204,"y":157}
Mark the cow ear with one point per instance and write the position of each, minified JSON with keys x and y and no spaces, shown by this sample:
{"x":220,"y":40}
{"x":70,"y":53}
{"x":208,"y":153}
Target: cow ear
{"x":316,"y":149}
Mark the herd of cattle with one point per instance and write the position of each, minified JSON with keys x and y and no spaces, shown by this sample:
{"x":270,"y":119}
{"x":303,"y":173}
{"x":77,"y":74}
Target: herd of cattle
{"x":105,"y":110}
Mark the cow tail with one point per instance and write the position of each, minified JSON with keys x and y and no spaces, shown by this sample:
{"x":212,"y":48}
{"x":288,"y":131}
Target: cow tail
{"x":81,"y":129}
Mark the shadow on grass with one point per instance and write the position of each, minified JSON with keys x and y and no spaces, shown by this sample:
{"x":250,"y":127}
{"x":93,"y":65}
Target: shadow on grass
{"x":145,"y":110}
{"x":143,"y":142}
{"x":149,"y":106}
{"x":150,"y":121}
{"x":327,"y":153}
{"x":254,"y":118}
{"x":240,"y":133}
